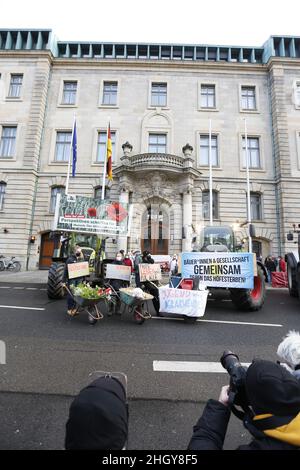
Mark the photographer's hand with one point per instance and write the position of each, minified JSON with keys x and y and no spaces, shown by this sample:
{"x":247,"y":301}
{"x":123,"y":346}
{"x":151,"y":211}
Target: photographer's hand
{"x":223,"y":398}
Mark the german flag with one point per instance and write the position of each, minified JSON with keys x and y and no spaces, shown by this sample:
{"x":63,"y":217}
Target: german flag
{"x":109,"y":155}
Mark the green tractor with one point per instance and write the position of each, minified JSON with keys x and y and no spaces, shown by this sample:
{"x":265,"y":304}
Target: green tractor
{"x":64,"y":243}
{"x":222,"y":239}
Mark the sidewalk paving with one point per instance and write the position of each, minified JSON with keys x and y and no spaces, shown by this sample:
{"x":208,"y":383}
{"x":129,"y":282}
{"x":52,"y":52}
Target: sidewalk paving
{"x":30,"y":277}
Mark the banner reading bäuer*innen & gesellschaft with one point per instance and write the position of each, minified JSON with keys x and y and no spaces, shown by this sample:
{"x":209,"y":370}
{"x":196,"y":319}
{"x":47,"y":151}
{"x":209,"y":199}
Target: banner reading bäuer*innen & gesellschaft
{"x":233,"y":270}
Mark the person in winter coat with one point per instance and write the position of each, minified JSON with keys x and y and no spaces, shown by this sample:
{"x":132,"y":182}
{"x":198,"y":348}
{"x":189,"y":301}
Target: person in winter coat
{"x":274,"y":396}
{"x":270,"y":266}
{"x":289,"y":351}
{"x":127,"y":261}
{"x":116,"y":285}
{"x":151,"y":286}
{"x":282,"y":264}
{"x":98,"y":417}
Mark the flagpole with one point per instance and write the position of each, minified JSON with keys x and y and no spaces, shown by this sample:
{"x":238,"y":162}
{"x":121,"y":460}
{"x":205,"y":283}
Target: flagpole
{"x":248,"y":189}
{"x":105,"y":164}
{"x":210,"y":178}
{"x":70,"y":153}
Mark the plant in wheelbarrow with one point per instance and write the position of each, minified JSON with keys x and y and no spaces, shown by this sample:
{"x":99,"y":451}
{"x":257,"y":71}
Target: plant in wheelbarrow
{"x":87,"y":298}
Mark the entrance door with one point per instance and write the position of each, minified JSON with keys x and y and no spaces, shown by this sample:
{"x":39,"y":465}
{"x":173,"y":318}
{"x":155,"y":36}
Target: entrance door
{"x":46,"y":253}
{"x":155,"y":231}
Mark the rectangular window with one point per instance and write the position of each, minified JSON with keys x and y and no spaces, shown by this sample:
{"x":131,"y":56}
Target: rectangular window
{"x":110,"y":90}
{"x":248,"y":97}
{"x":205,"y":204}
{"x":204,"y":150}
{"x":297,"y":94}
{"x":159,"y":94}
{"x":253,"y":152}
{"x":101,"y":145}
{"x":54,"y":192}
{"x":15,"y":86}
{"x":208,"y":96}
{"x":255,"y":206}
{"x":8,"y":141}
{"x":157,"y":143}
{"x":2,"y":194}
{"x":69,"y":93}
{"x":62,"y":148}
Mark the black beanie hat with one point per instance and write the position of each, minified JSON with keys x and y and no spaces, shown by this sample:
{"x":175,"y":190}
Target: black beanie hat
{"x":98,"y":417}
{"x":272,"y":389}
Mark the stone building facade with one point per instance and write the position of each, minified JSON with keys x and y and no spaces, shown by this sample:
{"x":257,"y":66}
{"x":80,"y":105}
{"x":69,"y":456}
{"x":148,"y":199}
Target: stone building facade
{"x":159,"y":100}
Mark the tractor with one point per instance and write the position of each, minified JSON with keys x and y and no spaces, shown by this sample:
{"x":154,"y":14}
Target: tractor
{"x":293,"y":264}
{"x":64,"y":243}
{"x":222,"y":239}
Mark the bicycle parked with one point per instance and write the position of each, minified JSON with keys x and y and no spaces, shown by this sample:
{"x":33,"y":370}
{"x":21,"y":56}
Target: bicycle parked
{"x":10,"y":264}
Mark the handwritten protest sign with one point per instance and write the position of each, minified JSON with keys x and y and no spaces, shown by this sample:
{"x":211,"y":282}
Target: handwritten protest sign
{"x":182,"y":301}
{"x":234,"y":270}
{"x":118,"y":271}
{"x":149,"y":272}
{"x":78,"y":270}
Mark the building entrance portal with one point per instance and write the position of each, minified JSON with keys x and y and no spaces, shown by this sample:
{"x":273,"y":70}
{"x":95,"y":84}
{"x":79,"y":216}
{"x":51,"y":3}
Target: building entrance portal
{"x":155,"y":231}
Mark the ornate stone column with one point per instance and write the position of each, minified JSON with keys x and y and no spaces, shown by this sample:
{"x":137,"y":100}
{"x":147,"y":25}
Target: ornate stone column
{"x":123,"y":199}
{"x":187,"y":219}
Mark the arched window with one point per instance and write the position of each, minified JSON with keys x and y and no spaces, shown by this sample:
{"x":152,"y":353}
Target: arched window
{"x":205,"y":204}
{"x":2,"y":194}
{"x":256,"y":207}
{"x":55,"y":190}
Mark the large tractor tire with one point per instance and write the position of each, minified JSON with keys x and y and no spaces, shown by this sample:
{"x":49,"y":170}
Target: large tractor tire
{"x":250,"y":299}
{"x":55,"y":288}
{"x":292,"y":275}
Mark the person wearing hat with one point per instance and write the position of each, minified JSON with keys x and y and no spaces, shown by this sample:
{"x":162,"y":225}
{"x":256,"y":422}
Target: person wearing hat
{"x":274,"y":397}
{"x":98,"y":417}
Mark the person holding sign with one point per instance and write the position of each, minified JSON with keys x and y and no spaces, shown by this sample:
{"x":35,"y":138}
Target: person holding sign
{"x":116,"y":284}
{"x":76,"y":257}
{"x":151,"y":286}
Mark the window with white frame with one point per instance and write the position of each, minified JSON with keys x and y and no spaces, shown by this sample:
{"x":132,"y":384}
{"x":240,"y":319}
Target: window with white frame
{"x":208,"y":96}
{"x":297,"y":94}
{"x":69,"y":92}
{"x":204,"y":150}
{"x":205,"y":204}
{"x":157,"y":143}
{"x":2,"y":194}
{"x":15,"y":86}
{"x":54,"y":192}
{"x":62,"y":146}
{"x":98,"y":192}
{"x":159,"y":94}
{"x":110,"y":91}
{"x":255,"y":206}
{"x":253,"y":152}
{"x":101,"y":145}
{"x":8,"y":141}
{"x":248,"y":98}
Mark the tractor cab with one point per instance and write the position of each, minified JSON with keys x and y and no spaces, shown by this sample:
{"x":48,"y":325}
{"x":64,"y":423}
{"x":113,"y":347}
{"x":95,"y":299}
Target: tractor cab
{"x":214,"y":239}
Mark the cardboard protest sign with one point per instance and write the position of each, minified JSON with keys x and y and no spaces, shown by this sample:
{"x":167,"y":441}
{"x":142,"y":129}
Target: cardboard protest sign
{"x":149,"y":272}
{"x":182,"y":301}
{"x":234,"y":270}
{"x":78,"y":269}
{"x":118,"y":271}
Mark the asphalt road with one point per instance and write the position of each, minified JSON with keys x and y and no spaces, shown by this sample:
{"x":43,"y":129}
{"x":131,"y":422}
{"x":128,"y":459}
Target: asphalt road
{"x":49,"y":358}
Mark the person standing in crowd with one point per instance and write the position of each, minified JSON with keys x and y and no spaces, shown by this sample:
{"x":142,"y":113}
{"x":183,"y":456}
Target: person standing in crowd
{"x":282,"y":264}
{"x":127,"y":262}
{"x":151,"y":287}
{"x":116,"y":284}
{"x":122,"y":252}
{"x":136,"y":262}
{"x":174,"y":266}
{"x":270,"y":266}
{"x":76,"y":257}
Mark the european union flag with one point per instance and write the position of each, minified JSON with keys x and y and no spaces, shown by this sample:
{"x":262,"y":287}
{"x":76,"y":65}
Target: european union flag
{"x":74,"y":149}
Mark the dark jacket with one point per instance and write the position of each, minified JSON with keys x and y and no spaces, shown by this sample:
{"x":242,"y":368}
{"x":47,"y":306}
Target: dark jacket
{"x":210,"y":430}
{"x":117,"y":283}
{"x":72,"y":259}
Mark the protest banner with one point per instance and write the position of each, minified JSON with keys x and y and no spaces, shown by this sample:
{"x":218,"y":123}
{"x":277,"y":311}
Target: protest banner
{"x":182,"y":301}
{"x":91,"y":215}
{"x":149,"y":272}
{"x":78,"y":269}
{"x":234,"y":270}
{"x":118,"y":271}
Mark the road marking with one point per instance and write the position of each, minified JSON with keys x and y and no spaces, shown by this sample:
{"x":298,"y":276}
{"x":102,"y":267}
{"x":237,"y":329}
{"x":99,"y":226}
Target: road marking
{"x":31,"y":288}
{"x":222,"y":321}
{"x":19,"y":288}
{"x":188,"y":366}
{"x":21,"y":308}
{"x":4,"y":287}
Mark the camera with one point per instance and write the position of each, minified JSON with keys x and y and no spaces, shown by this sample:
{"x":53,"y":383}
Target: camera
{"x":237,"y":391}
